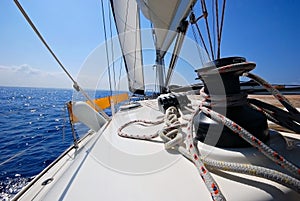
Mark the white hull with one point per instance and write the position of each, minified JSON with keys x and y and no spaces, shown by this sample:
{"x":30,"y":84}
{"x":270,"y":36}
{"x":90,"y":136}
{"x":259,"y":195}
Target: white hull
{"x":106,"y":166}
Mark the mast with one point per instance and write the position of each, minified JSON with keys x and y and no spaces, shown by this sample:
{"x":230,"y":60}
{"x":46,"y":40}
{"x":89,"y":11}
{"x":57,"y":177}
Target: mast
{"x":160,"y":69}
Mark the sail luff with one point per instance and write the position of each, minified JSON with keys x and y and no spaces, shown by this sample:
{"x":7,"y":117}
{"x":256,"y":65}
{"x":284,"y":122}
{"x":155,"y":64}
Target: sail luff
{"x":127,"y":20}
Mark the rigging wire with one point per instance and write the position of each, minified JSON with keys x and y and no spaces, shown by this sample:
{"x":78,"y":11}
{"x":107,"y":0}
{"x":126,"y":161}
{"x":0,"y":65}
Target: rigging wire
{"x":193,"y":20}
{"x":111,"y":44}
{"x":214,"y":24}
{"x":135,"y":44}
{"x":215,"y":49}
{"x":23,"y":152}
{"x":154,"y":66}
{"x":172,"y":136}
{"x":124,"y":40}
{"x":221,"y":28}
{"x":120,"y":73}
{"x":20,"y":153}
{"x":204,"y":10}
{"x":106,"y":46}
{"x":43,"y":41}
{"x":75,"y":84}
{"x":198,"y":47}
{"x":217,"y":27}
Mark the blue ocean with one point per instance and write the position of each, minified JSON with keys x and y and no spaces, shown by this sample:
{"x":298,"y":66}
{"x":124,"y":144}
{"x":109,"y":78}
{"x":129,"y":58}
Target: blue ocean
{"x":35,"y":130}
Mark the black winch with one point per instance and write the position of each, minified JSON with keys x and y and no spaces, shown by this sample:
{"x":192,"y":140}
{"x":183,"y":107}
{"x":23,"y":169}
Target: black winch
{"x":222,"y":93}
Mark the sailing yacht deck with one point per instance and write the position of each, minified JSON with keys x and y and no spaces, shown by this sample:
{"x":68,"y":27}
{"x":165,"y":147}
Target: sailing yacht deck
{"x":109,"y":167}
{"x":106,"y":166}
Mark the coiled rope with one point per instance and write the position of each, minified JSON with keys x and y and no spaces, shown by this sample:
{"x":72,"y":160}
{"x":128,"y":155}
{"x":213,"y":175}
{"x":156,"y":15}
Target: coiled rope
{"x":248,"y":169}
{"x":121,"y":133}
{"x":257,"y":171}
{"x":290,"y":119}
{"x":173,"y":137}
{"x":255,"y":142}
{"x":293,"y":115}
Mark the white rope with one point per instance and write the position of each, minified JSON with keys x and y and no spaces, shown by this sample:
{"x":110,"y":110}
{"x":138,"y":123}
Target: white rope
{"x":172,"y":135}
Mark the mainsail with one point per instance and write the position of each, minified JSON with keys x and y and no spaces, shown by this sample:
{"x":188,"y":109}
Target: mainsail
{"x":166,"y":17}
{"x":127,"y":19}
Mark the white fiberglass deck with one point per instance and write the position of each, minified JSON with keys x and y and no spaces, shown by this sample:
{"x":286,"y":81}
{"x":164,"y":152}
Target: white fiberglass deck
{"x":109,"y":167}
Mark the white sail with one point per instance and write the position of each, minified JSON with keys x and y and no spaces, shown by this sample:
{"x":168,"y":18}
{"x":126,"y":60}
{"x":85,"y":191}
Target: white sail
{"x":166,"y":16}
{"x":127,"y":18}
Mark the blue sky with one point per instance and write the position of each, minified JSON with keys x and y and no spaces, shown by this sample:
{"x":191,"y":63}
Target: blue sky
{"x":264,"y":31}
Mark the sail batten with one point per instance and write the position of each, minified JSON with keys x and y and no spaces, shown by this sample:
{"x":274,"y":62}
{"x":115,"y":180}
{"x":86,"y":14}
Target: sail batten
{"x":127,"y":20}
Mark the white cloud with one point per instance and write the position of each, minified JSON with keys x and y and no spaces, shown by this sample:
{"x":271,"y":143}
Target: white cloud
{"x":27,"y":76}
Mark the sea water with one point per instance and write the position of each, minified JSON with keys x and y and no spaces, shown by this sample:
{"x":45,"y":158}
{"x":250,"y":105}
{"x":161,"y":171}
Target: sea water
{"x":34,"y":131}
